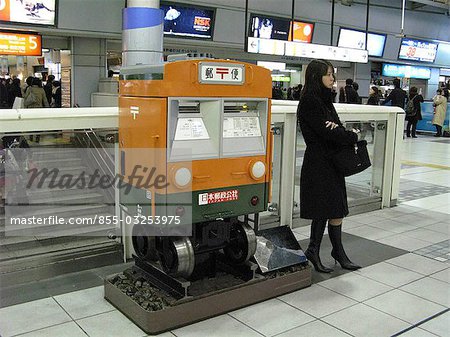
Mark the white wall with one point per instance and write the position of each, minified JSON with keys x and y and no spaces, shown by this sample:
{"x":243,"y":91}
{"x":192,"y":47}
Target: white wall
{"x":97,"y":16}
{"x":88,"y":66}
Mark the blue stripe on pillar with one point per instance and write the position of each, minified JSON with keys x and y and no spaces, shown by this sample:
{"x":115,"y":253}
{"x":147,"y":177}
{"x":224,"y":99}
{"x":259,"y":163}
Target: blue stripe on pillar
{"x":141,"y":17}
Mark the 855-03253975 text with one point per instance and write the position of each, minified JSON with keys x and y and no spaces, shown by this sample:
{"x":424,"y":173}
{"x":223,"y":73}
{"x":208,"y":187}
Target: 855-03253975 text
{"x":98,"y":219}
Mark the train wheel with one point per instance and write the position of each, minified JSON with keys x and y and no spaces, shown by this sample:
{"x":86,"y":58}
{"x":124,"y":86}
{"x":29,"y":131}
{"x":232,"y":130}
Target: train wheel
{"x":243,"y":244}
{"x":143,"y":244}
{"x":179,"y":259}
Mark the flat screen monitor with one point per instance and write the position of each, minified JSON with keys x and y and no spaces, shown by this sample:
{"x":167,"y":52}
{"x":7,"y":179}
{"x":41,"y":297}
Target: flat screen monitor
{"x":400,"y":70}
{"x":417,"y":50}
{"x":266,"y":27}
{"x":42,"y":12}
{"x":188,"y":21}
{"x":351,"y":38}
{"x":302,"y":31}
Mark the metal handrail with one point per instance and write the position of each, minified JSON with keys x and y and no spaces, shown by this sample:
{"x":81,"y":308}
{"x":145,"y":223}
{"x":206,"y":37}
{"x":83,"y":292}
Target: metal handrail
{"x":102,"y":158}
{"x":99,"y":157}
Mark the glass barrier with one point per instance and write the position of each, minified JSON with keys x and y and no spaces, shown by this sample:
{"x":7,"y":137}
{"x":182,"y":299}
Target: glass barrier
{"x":53,"y":192}
{"x":372,"y":189}
{"x":363,"y":189}
{"x":71,"y":157}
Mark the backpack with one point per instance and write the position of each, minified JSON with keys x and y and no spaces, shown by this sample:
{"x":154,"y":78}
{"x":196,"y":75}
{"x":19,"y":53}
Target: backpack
{"x":30,"y":100}
{"x":410,"y":109}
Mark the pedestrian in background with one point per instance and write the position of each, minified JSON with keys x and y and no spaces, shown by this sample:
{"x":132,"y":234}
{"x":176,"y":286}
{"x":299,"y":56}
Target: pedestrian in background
{"x":348,"y":94}
{"x":440,"y":110}
{"x":14,"y":91}
{"x":34,"y":96}
{"x":374,"y":96}
{"x":356,"y":87}
{"x":397,"y":96}
{"x":413,"y":117}
{"x":48,"y":87}
{"x":56,"y":94}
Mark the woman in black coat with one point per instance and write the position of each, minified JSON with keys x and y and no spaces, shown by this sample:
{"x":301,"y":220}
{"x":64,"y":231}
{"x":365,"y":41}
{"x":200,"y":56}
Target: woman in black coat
{"x":323,"y":197}
{"x":374,"y":96}
{"x":412,"y":120}
{"x":14,"y":91}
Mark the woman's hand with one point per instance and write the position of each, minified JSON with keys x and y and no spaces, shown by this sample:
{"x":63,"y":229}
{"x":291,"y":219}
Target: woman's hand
{"x":358,"y":133}
{"x":331,"y":125}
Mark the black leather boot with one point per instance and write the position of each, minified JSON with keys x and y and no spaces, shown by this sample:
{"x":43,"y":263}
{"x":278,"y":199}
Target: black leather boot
{"x":312,"y":253}
{"x":338,"y":252}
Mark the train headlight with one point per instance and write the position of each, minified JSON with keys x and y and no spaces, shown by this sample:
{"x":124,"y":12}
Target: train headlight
{"x":182,"y":177}
{"x":257,"y":170}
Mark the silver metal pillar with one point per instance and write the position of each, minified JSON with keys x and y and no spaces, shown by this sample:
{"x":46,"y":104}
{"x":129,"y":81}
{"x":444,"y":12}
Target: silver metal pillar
{"x":142,"y":33}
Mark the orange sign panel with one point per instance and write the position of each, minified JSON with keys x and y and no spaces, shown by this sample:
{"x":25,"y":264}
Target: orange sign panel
{"x":5,"y":10}
{"x":20,"y":44}
{"x":302,"y":31}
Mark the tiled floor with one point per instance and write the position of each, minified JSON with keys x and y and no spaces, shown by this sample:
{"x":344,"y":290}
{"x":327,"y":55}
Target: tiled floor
{"x":407,"y":293}
{"x":439,"y":251}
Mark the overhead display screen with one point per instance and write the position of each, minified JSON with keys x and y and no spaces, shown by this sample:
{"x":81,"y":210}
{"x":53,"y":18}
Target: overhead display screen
{"x":351,"y":38}
{"x":265,"y":27}
{"x":303,"y":31}
{"x":276,"y":36}
{"x":417,"y":50}
{"x":264,"y":46}
{"x":183,"y":21}
{"x":42,"y":12}
{"x":20,"y":44}
{"x":400,"y":70}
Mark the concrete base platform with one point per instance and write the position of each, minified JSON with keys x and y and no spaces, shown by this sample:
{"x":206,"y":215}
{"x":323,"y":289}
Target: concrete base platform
{"x":194,"y":309}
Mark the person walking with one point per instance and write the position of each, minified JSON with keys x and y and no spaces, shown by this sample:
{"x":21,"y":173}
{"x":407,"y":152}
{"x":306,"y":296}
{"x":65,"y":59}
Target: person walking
{"x":323,"y":196}
{"x":440,"y":109}
{"x":14,"y":91}
{"x":34,"y":97}
{"x":48,"y":88}
{"x":413,"y":111}
{"x":397,"y":96}
{"x":356,"y":87}
{"x":349,"y":94}
{"x":3,"y":94}
{"x":56,"y":95}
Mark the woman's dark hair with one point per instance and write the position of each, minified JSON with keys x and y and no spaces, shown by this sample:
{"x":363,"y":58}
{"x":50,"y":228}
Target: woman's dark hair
{"x":412,"y":92}
{"x":313,"y":78}
{"x":376,"y":92}
{"x":37,"y":81}
{"x":29,"y":80}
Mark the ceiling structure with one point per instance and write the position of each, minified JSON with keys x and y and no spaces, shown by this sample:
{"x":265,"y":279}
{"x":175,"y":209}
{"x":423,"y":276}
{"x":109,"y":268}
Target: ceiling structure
{"x":431,"y":6}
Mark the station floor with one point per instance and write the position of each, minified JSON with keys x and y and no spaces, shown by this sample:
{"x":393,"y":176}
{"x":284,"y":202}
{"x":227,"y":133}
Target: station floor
{"x":402,"y":289}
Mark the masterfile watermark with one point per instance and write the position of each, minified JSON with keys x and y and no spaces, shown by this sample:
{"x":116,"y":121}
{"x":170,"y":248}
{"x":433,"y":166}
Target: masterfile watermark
{"x":140,"y":177}
{"x":73,"y":192}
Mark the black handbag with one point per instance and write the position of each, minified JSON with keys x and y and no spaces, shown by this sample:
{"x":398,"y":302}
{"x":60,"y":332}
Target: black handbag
{"x":352,"y":159}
